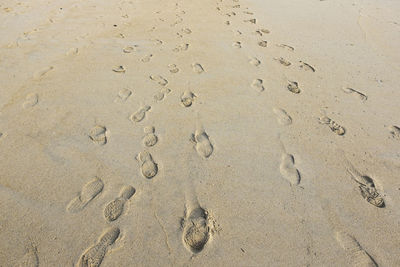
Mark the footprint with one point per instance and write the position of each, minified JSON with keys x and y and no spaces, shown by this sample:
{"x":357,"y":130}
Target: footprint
{"x":186,"y":30}
{"x":95,"y":255}
{"x":262,"y":31}
{"x":115,"y":208}
{"x":147,"y":58}
{"x":197,"y":229}
{"x":254,"y":61}
{"x":293,"y":87}
{"x":159,"y":79}
{"x":282,"y":117}
{"x":187,"y":98}
{"x":130,"y":49}
{"x":263,"y":43}
{"x":30,"y":259}
{"x":31,"y":100}
{"x":148,"y":167}
{"x":161,"y":94}
{"x":253,"y":21}
{"x":197,"y":68}
{"x":202,"y":143}
{"x":150,"y":139}
{"x":227,"y":22}
{"x":258,"y":84}
{"x":395,"y":131}
{"x":89,"y":192}
{"x":283,"y":61}
{"x":287,"y":169}
{"x":173,"y":68}
{"x":306,"y":66}
{"x":367,"y":187}
{"x":42,"y":72}
{"x":72,"y":51}
{"x":237,"y":44}
{"x":123,"y":95}
{"x":182,"y":47}
{"x":335,"y":127}
{"x":288,"y":47}
{"x":358,"y":256}
{"x":355,"y":93}
{"x":118,"y":69}
{"x":140,"y":114}
{"x":98,"y":135}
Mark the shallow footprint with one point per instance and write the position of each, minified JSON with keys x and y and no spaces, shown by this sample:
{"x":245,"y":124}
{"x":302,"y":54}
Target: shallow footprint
{"x":123,"y":95}
{"x":147,"y":58}
{"x":98,"y":135}
{"x":187,"y":98}
{"x":358,"y":256}
{"x":159,"y":79}
{"x":293,"y":87}
{"x":93,"y":256}
{"x":196,"y":230}
{"x":30,"y":100}
{"x":42,"y":72}
{"x":254,"y":61}
{"x":258,"y":85}
{"x":237,"y":44}
{"x":30,"y":259}
{"x":150,"y":139}
{"x":288,"y":47}
{"x":305,"y":66}
{"x":202,"y":143}
{"x":89,"y":192}
{"x":160,"y":95}
{"x":282,"y":116}
{"x":173,"y":68}
{"x":148,"y":167}
{"x":115,"y":208}
{"x":129,"y":49}
{"x":140,"y":114}
{"x":118,"y":69}
{"x":197,"y":68}
{"x":335,"y":127}
{"x":181,"y":47}
{"x":356,"y":93}
{"x":287,"y":169}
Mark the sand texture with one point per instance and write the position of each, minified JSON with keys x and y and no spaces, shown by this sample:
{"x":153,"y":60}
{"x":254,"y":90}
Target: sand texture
{"x":199,"y":133}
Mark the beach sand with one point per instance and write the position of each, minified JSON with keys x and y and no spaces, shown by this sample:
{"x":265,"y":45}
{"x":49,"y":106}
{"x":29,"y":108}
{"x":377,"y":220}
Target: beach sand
{"x":199,"y":133}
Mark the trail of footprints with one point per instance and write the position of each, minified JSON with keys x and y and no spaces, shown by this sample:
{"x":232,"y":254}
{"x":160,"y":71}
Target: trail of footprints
{"x":197,"y":225}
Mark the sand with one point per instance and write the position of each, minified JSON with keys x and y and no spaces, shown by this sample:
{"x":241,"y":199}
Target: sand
{"x":199,"y":133}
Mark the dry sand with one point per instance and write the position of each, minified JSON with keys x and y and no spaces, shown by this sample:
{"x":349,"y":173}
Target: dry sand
{"x":199,"y":133}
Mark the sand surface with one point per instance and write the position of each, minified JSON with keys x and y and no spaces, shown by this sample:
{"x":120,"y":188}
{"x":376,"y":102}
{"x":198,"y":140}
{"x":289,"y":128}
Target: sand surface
{"x":199,"y":133}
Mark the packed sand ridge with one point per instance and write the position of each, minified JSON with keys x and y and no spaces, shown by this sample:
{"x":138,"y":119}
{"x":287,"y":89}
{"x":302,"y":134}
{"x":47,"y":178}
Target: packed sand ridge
{"x":199,"y":133}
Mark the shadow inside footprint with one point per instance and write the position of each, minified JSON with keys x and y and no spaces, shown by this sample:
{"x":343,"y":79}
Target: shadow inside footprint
{"x":148,"y":167}
{"x":202,"y":143}
{"x":196,"y":230}
{"x":95,"y":255}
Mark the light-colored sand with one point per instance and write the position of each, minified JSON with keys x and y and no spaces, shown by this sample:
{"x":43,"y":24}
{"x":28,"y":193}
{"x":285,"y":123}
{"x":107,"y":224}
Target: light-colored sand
{"x":199,"y":133}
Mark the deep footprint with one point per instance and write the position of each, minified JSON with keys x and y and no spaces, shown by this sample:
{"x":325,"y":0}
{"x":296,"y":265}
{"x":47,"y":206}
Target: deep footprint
{"x":93,"y":256}
{"x":89,"y":192}
{"x":196,"y":230}
{"x":187,"y":98}
{"x":197,"y":68}
{"x":287,"y":169}
{"x":115,"y":208}
{"x":358,"y":256}
{"x":367,"y":187}
{"x":293,"y":87}
{"x":148,"y":167}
